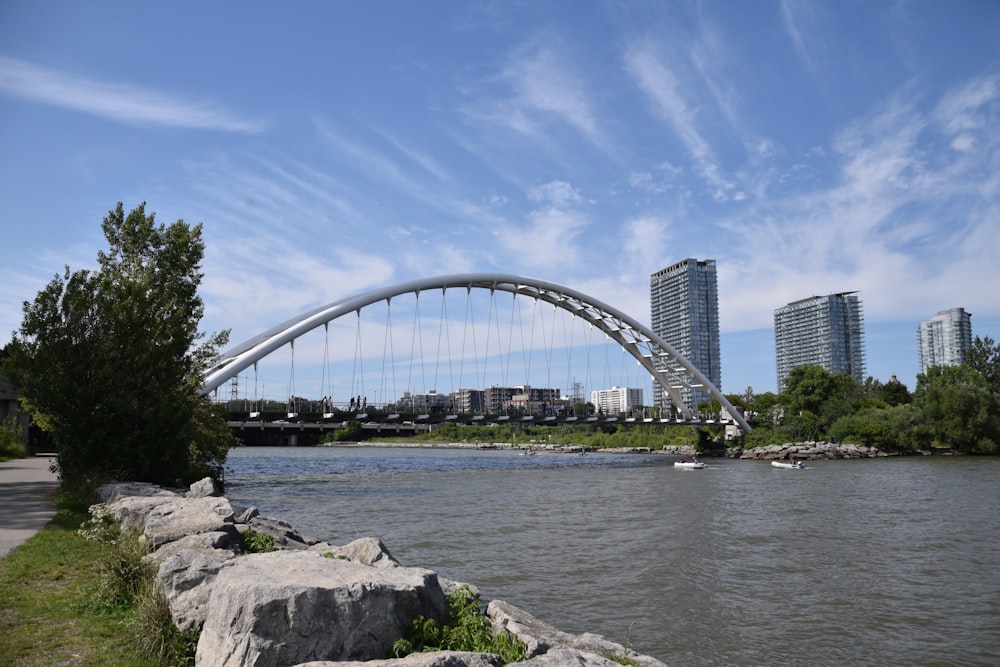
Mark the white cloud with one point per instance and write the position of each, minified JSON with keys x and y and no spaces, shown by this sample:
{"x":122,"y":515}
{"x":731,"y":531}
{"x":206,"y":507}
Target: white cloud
{"x":656,"y":79}
{"x":555,"y":193}
{"x":121,"y":102}
{"x":543,"y":82}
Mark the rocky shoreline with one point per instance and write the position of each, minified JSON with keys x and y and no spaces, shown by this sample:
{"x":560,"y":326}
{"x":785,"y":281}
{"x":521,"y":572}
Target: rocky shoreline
{"x":310,"y":602}
{"x":806,"y":451}
{"x":812,"y":450}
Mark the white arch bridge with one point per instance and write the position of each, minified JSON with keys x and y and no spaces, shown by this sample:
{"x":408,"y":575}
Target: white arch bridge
{"x":670,"y":371}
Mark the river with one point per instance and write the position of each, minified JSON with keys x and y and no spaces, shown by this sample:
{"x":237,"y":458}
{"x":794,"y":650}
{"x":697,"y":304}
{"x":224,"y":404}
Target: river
{"x":863,"y":562}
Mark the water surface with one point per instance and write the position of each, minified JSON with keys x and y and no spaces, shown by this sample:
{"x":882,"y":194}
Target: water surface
{"x":869,"y":562}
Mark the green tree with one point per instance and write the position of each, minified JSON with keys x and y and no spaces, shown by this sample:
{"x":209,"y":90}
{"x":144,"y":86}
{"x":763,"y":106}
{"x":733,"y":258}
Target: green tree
{"x":110,"y":360}
{"x":958,"y":410}
{"x":984,"y":358}
{"x":893,"y":393}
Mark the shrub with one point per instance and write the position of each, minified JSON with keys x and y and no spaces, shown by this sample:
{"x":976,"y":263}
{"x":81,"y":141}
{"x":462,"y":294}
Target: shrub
{"x":466,"y":629}
{"x":11,"y":446}
{"x":257,"y":543}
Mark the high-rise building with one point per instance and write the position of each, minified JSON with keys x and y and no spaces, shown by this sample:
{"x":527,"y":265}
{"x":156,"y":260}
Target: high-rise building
{"x":617,"y":400}
{"x":684,"y":305}
{"x":826,"y":331}
{"x":945,"y":339}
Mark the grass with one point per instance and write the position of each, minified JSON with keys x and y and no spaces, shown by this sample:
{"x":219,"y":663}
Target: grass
{"x":50,"y":610}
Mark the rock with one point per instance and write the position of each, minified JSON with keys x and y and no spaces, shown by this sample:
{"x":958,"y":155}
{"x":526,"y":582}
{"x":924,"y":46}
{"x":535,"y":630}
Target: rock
{"x":431,"y":659}
{"x":541,"y":638}
{"x":217,"y":540}
{"x":131,"y":511}
{"x":284,"y":535}
{"x":567,"y":657}
{"x":186,"y":579}
{"x":109,"y":493}
{"x":181,"y":517}
{"x":244,"y":515}
{"x":289,"y":607}
{"x":367,"y":551}
{"x":204,"y":488}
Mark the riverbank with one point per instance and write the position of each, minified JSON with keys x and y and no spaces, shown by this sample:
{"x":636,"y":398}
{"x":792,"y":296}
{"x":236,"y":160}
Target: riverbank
{"x":811,"y":450}
{"x":341,"y":603}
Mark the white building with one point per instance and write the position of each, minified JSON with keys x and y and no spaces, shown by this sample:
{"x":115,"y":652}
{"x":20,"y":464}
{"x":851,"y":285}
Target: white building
{"x":825,"y":331}
{"x":684,"y":309}
{"x":945,"y":339}
{"x":617,"y":400}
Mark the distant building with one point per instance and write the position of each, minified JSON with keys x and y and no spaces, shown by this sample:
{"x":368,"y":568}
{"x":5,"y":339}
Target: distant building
{"x":617,"y":400}
{"x":524,"y":398}
{"x":684,"y":309}
{"x":430,"y":401}
{"x":826,"y":331}
{"x":945,"y":339}
{"x":469,"y":401}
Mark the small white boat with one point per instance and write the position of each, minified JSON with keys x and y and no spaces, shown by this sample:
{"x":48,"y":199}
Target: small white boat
{"x":797,"y":465}
{"x":689,"y":465}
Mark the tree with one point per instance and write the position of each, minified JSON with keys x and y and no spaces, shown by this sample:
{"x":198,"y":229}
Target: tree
{"x":957,"y":410}
{"x":984,"y":358}
{"x":109,"y":360}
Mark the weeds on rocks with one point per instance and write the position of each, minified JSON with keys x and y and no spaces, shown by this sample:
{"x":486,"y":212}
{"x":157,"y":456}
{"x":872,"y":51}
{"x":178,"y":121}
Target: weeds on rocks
{"x":466,"y":629}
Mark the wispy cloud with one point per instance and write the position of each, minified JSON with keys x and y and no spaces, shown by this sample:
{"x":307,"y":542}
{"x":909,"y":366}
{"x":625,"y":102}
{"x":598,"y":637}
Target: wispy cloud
{"x":798,"y":16}
{"x":549,"y":239}
{"x":876,"y":226}
{"x":539,"y":87}
{"x":659,"y":83}
{"x":121,"y":102}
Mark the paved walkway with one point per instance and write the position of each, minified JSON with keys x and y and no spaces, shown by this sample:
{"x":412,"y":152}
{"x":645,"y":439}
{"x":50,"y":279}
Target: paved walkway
{"x":26,"y":503}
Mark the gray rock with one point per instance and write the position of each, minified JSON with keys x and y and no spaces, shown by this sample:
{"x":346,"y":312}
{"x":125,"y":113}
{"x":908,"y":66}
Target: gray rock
{"x":567,"y":657}
{"x":186,"y":579}
{"x":289,"y":607}
{"x":431,"y":659}
{"x":244,"y":515}
{"x":542,"y":638}
{"x":131,"y":511}
{"x":284,"y":535}
{"x":204,"y":488}
{"x":181,"y":517}
{"x":109,"y":493}
{"x":216,"y":540}
{"x":366,"y":550}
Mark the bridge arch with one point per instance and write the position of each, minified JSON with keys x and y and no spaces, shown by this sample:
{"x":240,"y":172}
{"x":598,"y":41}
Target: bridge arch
{"x":654,"y":354}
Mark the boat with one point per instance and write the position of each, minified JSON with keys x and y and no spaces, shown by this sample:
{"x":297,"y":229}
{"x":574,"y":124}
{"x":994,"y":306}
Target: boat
{"x":693,"y":464}
{"x":797,"y":465}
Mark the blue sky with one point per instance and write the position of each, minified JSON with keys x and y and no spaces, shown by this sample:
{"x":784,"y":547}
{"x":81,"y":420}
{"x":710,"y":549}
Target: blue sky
{"x":333,"y":147}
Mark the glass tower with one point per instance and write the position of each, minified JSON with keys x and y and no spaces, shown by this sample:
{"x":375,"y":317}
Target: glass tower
{"x":945,"y":339}
{"x":826,"y":331}
{"x":684,"y":305}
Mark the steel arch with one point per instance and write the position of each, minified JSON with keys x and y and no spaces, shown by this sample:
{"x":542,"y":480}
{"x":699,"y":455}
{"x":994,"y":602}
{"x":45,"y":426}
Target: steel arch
{"x":652,"y":352}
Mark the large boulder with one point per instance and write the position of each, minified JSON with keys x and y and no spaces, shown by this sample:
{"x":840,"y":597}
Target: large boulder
{"x":289,"y":607}
{"x":181,"y":517}
{"x":186,"y":577}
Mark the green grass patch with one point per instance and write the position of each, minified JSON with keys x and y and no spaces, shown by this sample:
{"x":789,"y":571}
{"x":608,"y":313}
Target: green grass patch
{"x":69,"y":600}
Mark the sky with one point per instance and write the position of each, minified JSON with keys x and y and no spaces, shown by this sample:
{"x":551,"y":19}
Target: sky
{"x":330,"y":148}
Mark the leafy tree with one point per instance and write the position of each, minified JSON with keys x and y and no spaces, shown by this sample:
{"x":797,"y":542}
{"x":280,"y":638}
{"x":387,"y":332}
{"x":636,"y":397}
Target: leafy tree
{"x":814,"y":398}
{"x":893,"y":392}
{"x":984,"y":358}
{"x":109,"y":359}
{"x":958,"y":410}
